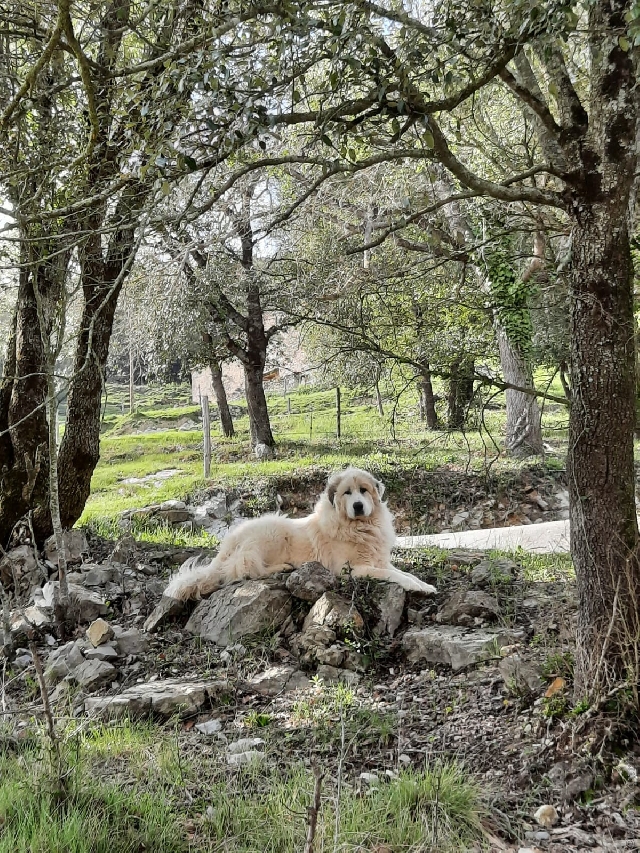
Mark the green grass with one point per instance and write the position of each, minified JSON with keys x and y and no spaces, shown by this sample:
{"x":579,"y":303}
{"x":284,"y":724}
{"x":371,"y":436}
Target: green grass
{"x":125,"y":790}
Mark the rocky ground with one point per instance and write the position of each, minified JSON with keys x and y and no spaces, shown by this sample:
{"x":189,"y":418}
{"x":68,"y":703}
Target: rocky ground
{"x":480,"y":673}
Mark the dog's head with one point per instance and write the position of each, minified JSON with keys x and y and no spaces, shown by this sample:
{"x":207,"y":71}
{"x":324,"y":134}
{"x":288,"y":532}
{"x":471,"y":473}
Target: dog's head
{"x":354,"y":493}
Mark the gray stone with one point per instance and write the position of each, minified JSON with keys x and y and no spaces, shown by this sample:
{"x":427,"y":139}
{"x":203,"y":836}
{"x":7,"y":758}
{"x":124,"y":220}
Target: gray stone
{"x":521,"y":674}
{"x":464,"y":558}
{"x":492,"y":571}
{"x":165,"y":609}
{"x":263,"y":452}
{"x":239,"y":610}
{"x":216,"y":505}
{"x":63,"y":660}
{"x":455,"y":646}
{"x":173,"y":504}
{"x":391,"y":609}
{"x":331,"y":675}
{"x":88,"y":604}
{"x":130,"y":642}
{"x":174,"y":516}
{"x":99,"y":632}
{"x":209,"y":727}
{"x":335,"y":612}
{"x":98,"y":575}
{"x":333,"y":656}
{"x":75,"y":545}
{"x":125,"y":550}
{"x":164,"y":698}
{"x":468,"y":603}
{"x":20,"y":571}
{"x":244,"y":744}
{"x":278,"y":679}
{"x":93,"y":673}
{"x":311,"y":581}
{"x":103,"y":652}
{"x":239,"y":759}
{"x":26,"y":619}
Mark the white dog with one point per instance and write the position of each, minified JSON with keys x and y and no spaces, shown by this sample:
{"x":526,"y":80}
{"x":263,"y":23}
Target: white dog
{"x":350,"y":527}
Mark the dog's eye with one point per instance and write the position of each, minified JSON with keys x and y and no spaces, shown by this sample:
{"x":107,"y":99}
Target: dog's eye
{"x":348,"y":492}
{"x":363,"y":491}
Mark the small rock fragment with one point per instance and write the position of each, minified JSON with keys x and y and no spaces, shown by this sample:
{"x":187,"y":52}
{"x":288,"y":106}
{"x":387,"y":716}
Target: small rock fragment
{"x":546,"y":816}
{"x":99,"y":632}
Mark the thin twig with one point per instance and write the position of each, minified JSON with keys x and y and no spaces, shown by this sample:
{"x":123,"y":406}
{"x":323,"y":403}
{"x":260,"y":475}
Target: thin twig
{"x":314,"y":810}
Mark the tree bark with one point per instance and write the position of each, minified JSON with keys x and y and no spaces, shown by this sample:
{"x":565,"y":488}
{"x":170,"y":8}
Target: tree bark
{"x":460,"y":392}
{"x":24,"y":467}
{"x":604,"y":528}
{"x":226,"y":420}
{"x":259,"y":423}
{"x":523,"y":431}
{"x":428,"y":399}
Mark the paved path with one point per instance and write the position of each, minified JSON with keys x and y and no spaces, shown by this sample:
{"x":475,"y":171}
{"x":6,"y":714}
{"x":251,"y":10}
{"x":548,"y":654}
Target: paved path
{"x":551,"y":537}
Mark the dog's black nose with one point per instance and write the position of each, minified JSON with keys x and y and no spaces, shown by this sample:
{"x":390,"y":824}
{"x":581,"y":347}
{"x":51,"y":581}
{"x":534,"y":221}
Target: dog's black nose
{"x":358,"y":508}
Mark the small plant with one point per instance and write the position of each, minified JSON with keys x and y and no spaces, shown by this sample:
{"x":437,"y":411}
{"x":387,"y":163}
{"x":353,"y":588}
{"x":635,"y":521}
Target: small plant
{"x":559,"y":665}
{"x":257,"y":720}
{"x":555,"y":706}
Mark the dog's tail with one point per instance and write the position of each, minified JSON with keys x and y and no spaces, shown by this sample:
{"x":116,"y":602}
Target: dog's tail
{"x":194,"y":579}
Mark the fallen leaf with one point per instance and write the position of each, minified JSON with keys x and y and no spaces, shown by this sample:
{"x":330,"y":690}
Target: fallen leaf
{"x":556,"y":686}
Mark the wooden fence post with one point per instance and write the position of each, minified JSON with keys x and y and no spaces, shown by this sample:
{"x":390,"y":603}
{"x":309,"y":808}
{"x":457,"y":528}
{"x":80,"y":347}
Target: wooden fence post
{"x":311,"y":426}
{"x":206,"y":430}
{"x":288,"y":405}
{"x":338,"y":415}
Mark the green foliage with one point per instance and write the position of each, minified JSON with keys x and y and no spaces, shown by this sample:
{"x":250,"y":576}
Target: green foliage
{"x":511,"y":297}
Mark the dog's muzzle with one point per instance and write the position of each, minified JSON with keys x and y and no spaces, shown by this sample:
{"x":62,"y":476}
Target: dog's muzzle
{"x":358,"y":508}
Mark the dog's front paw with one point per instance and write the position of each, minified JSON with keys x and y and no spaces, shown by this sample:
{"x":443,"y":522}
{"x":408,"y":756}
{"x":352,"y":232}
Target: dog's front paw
{"x":420,"y":586}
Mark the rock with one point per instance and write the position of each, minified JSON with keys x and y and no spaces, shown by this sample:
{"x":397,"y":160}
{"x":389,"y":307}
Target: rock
{"x":331,"y":675}
{"x":239,"y":610}
{"x":173,"y":504}
{"x":244,"y":744}
{"x":26,"y":619}
{"x":492,"y":571}
{"x":164,"y":698}
{"x":166,"y":608}
{"x":335,"y":612}
{"x":454,"y":646}
{"x":21,"y":572}
{"x":369,"y":779}
{"x":546,"y":816}
{"x":263,"y":452}
{"x":216,"y":505}
{"x":237,"y":759}
{"x":520,"y":674}
{"x":130,"y":642}
{"x":576,"y":786}
{"x":62,"y":661}
{"x":188,"y":426}
{"x":75,"y":545}
{"x":391,"y":609}
{"x":103,"y":652}
{"x":125,"y":550}
{"x":333,"y":656}
{"x":311,"y":581}
{"x":278,"y":679}
{"x":173,"y":516}
{"x":464,"y":558}
{"x":88,"y":604}
{"x":468,"y":603}
{"x":209,"y":727}
{"x":93,"y":673}
{"x":99,"y":632}
{"x":98,"y":575}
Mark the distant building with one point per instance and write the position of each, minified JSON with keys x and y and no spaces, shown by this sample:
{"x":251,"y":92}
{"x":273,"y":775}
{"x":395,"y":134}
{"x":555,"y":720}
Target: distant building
{"x":287,"y":367}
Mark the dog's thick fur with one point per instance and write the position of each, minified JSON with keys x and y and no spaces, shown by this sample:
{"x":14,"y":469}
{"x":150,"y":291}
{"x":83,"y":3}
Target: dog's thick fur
{"x":350,"y":527}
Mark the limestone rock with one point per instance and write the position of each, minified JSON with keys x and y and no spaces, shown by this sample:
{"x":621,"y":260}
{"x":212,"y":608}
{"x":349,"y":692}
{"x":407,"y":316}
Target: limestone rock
{"x":546,"y":816}
{"x":239,"y":610}
{"x":89,"y":604}
{"x":333,"y":611}
{"x":471,"y":603}
{"x":164,"y":698}
{"x":492,"y":571}
{"x":75,"y":545}
{"x":174,"y":516}
{"x":97,"y":575}
{"x":99,"y":632}
{"x":103,"y":652}
{"x":62,"y":661}
{"x":93,"y":673}
{"x":278,"y":679}
{"x":263,"y":452}
{"x":166,"y":608}
{"x":26,"y":619}
{"x":391,"y":609}
{"x":454,"y":646}
{"x":520,"y":673}
{"x":331,"y":675}
{"x":311,"y":581}
{"x":20,"y":571}
{"x":130,"y":642}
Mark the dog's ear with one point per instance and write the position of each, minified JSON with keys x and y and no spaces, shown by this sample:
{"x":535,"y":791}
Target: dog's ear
{"x":380,"y":487}
{"x":332,"y":486}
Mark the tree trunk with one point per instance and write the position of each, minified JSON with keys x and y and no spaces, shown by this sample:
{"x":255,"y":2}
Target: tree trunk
{"x":460,"y":392}
{"x":604,"y":528}
{"x":24,"y":467}
{"x":226,"y":420}
{"x":259,"y":423}
{"x":523,"y":432}
{"x":428,"y":399}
